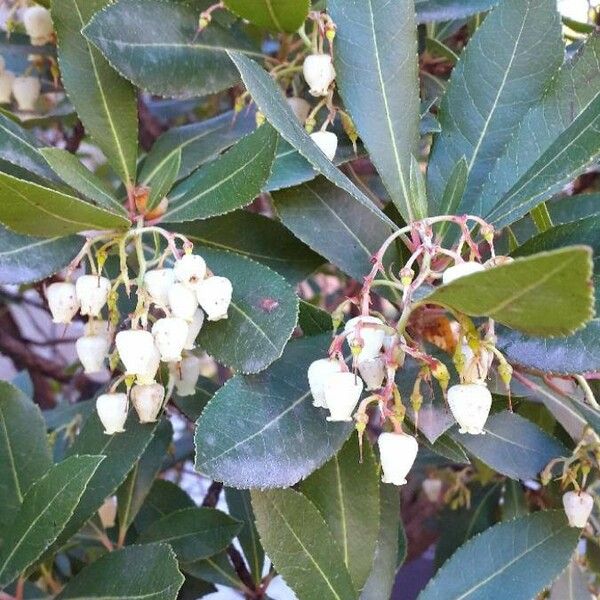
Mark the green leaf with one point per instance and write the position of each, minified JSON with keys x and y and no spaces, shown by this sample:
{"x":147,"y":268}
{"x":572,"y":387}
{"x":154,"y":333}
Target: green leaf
{"x":257,"y":237}
{"x":546,"y":294}
{"x":216,"y":569}
{"x":46,"y":509}
{"x":135,"y":572}
{"x":240,"y":508}
{"x":104,"y":101}
{"x":133,"y":491}
{"x":155,"y":45}
{"x":192,"y":406}
{"x":377,"y":74}
{"x":193,"y":533}
{"x":555,"y":141}
{"x":271,"y":102}
{"x":24,"y":451}
{"x":346,"y":493}
{"x":449,"y":10}
{"x":511,"y":560}
{"x":313,"y":320}
{"x":262,"y":315}
{"x":24,"y":259}
{"x":502,"y":73}
{"x":453,"y":193}
{"x":277,"y":15}
{"x":163,"y":179}
{"x":282,"y":439}
{"x":514,"y":501}
{"x":164,"y":498}
{"x":31,"y":209}
{"x":231,"y":181}
{"x":70,"y":169}
{"x":299,"y":543}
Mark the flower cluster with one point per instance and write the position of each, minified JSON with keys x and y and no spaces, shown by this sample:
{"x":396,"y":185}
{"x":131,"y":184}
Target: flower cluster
{"x":174,"y":300}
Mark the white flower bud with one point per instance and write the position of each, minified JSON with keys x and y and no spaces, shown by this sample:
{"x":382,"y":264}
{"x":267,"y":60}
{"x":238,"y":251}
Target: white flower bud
{"x":470,"y":404}
{"x":300,"y":107}
{"x":368,"y":332}
{"x":7,"y":79}
{"x":38,"y":25}
{"x":147,"y":401}
{"x":318,"y":372}
{"x":26,"y":91}
{"x":170,"y":335}
{"x":214,"y":296}
{"x":149,"y":374}
{"x":319,"y":73}
{"x":62,"y":300}
{"x":342,"y":393}
{"x":194,"y":328}
{"x":112,"y":410}
{"x":461,"y":270}
{"x":108,"y":512}
{"x":432,"y":489}
{"x":372,"y":370}
{"x":578,"y":508}
{"x":476,"y":367}
{"x":92,"y":293}
{"x":186,"y":375}
{"x":183,"y":301}
{"x":158,"y":282}
{"x":137,"y":350}
{"x":92,"y":350}
{"x":190,"y":269}
{"x":327,"y":142}
{"x":398,"y":452}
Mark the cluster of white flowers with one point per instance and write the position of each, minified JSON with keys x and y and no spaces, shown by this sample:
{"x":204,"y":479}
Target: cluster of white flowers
{"x":186,"y":294}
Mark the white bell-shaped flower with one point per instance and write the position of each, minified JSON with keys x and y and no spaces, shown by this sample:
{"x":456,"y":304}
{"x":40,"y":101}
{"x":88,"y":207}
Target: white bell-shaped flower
{"x":300,"y":107}
{"x":38,"y":24}
{"x":186,"y":375}
{"x":319,"y":73}
{"x":26,"y":91}
{"x":149,"y":374}
{"x":62,"y":300}
{"x":7,"y":79}
{"x":398,"y":452}
{"x":578,"y":508}
{"x":183,"y":301}
{"x":136,"y":349}
{"x":147,"y":400}
{"x":342,"y":393}
{"x":112,"y":410}
{"x":372,"y":370}
{"x":92,"y":350}
{"x":318,"y":372}
{"x":190,"y":269}
{"x":327,"y":142}
{"x":170,"y":335}
{"x":470,"y":405}
{"x":92,"y":293}
{"x":158,"y":282}
{"x":214,"y":296}
{"x":432,"y":488}
{"x":461,"y":270}
{"x":108,"y":512}
{"x":367,"y":332}
{"x":194,"y":327}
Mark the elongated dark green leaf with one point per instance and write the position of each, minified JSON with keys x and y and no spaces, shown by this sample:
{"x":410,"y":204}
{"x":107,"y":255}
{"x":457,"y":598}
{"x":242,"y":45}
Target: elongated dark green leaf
{"x":164,"y":498}
{"x":137,"y":35}
{"x":229,"y":182}
{"x":217,"y":569}
{"x":193,"y":533}
{"x":70,"y":169}
{"x":346,"y":494}
{"x":104,"y":101}
{"x":24,"y":451}
{"x":513,"y":446}
{"x":512,"y":560}
{"x":271,"y":102}
{"x":24,"y":259}
{"x":556,"y":140}
{"x":376,"y":64}
{"x":313,"y":320}
{"x":164,"y":178}
{"x":149,"y":572}
{"x":502,"y":73}
{"x":546,"y":294}
{"x":297,"y":540}
{"x":455,"y":189}
{"x":262,"y":315}
{"x":35,"y":210}
{"x":279,"y":15}
{"x":46,"y":508}
{"x":449,"y":10}
{"x":259,"y":238}
{"x":282,"y":439}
